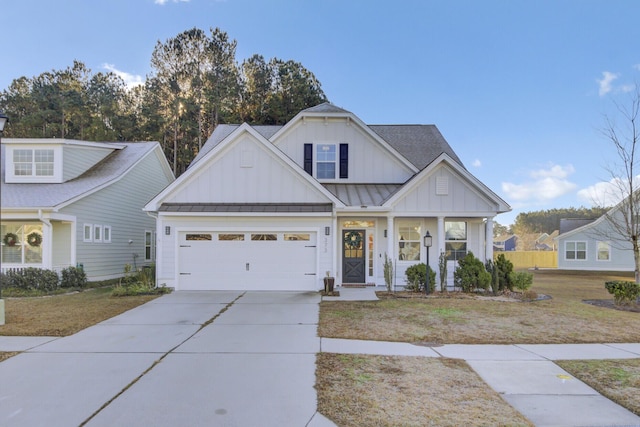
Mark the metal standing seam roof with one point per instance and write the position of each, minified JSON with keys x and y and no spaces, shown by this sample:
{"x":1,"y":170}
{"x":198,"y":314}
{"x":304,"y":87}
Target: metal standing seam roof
{"x":363,"y":194}
{"x":21,"y":195}
{"x":248,"y":207}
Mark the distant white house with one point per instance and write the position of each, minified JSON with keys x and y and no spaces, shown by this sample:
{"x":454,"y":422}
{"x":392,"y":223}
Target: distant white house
{"x":594,"y":244}
{"x":70,"y":203}
{"x":279,"y":207}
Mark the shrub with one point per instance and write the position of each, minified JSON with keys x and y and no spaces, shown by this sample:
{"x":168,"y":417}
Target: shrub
{"x":73,"y":277}
{"x":505,"y":268}
{"x":471,"y":274}
{"x":31,"y":278}
{"x":624,"y":292}
{"x":493,"y":269}
{"x":521,"y":280}
{"x":416,"y":277}
{"x":388,"y":272}
{"x":442,"y":266}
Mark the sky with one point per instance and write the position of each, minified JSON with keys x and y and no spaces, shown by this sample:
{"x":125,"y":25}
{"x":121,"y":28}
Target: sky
{"x":521,"y":89}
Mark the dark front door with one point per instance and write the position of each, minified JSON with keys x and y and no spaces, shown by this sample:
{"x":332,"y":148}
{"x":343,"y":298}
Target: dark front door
{"x":353,"y":256}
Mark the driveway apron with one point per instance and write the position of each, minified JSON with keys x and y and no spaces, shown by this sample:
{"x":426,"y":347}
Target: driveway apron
{"x":188,"y":358}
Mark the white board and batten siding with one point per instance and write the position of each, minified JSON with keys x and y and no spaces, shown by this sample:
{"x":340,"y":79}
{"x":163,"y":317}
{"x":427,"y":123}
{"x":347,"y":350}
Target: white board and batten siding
{"x":244,"y":264}
{"x":369,"y":161}
{"x":118,"y":206}
{"x":248,"y":172}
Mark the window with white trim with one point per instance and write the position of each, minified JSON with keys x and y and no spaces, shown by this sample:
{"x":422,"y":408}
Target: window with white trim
{"x":326,"y":159}
{"x":148,"y":245}
{"x":36,"y":162}
{"x":575,"y":251}
{"x":87,"y":235}
{"x":97,"y":233}
{"x":106,"y":234}
{"x":409,"y":240}
{"x":455,"y":240}
{"x":604,"y":251}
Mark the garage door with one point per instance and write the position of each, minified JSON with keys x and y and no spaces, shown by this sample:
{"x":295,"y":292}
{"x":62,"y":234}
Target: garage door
{"x":240,"y":260}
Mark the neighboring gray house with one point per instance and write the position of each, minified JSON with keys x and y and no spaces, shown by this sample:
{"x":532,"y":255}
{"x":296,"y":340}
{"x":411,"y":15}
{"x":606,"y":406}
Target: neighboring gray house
{"x":68,"y":203}
{"x":585,"y":244}
{"x":279,"y":207}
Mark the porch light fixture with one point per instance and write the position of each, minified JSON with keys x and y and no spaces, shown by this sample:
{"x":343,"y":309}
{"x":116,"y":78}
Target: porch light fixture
{"x":327,"y":231}
{"x":428,"y":241}
{"x":167,"y":230}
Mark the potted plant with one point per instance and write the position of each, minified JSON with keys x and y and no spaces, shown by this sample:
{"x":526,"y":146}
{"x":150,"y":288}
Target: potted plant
{"x":329,"y":282}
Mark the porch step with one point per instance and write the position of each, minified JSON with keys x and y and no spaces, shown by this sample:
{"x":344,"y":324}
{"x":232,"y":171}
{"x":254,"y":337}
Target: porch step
{"x":358,"y":285}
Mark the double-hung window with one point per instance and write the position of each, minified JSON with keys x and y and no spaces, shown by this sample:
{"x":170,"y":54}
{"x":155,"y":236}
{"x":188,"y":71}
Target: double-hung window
{"x":27,"y":162}
{"x":455,"y":236}
{"x":604,"y":251}
{"x":575,"y":251}
{"x":326,"y":157}
{"x":409,"y":240}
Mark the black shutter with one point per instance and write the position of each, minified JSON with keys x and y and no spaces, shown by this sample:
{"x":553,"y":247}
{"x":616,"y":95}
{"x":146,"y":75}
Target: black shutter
{"x":308,"y":158}
{"x":344,"y":160}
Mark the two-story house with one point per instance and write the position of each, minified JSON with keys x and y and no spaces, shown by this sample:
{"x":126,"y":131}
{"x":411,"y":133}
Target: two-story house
{"x":79,"y":203}
{"x":279,"y":207}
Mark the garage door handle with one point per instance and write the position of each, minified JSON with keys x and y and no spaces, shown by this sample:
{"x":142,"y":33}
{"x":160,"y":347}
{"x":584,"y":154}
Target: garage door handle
{"x":309,"y":274}
{"x":185,"y":246}
{"x":185,"y":274}
{"x":308,"y":246}
{"x":247,"y":266}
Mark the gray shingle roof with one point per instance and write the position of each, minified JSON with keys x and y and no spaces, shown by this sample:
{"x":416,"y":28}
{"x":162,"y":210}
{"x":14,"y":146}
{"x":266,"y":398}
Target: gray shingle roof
{"x":51,"y":195}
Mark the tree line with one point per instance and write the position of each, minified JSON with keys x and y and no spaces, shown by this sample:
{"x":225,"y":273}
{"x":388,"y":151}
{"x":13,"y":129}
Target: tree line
{"x":547,"y":221}
{"x":196,"y":83}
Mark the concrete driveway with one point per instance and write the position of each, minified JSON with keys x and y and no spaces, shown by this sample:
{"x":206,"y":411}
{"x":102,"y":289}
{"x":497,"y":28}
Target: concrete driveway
{"x":188,"y":358}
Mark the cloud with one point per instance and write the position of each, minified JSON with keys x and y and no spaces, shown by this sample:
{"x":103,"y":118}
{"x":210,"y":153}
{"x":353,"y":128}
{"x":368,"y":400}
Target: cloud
{"x":637,"y":67}
{"x":605,"y":193}
{"x":131,"y":80}
{"x":477,"y":163}
{"x":543,"y":185}
{"x":606,"y":81}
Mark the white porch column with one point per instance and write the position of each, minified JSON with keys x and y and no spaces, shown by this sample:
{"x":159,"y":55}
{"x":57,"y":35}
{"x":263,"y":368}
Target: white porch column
{"x":390,"y":240}
{"x":488,"y":238}
{"x":441,"y":235}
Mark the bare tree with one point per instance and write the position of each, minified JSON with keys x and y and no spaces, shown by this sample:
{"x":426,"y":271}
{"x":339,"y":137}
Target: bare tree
{"x":624,"y":220}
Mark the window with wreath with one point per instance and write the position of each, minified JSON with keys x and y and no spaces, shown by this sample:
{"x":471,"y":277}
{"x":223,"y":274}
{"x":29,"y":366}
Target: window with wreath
{"x":21,"y":243}
{"x":409,"y":240}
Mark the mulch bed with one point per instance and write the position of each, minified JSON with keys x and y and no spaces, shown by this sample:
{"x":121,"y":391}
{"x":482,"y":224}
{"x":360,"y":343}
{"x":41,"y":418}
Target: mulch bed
{"x":608,"y":303}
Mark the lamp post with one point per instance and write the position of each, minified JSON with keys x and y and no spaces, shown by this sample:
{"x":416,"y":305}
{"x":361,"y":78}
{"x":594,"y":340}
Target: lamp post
{"x":428,"y":241}
{"x":3,"y":121}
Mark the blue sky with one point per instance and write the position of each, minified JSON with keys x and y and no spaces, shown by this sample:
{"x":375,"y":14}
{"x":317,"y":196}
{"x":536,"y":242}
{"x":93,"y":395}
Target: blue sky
{"x":518,"y":88}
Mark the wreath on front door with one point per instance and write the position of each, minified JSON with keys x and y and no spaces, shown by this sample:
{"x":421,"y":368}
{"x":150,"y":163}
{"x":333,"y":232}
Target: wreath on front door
{"x":10,"y":239}
{"x":34,"y":239}
{"x":353,"y":239}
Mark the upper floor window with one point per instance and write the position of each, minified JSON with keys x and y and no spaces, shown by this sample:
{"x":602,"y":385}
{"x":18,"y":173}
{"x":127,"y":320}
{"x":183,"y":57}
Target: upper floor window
{"x":38,"y":162}
{"x":326,"y":161}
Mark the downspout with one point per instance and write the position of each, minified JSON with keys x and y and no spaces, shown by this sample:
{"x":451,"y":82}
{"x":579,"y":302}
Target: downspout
{"x":158,"y":245}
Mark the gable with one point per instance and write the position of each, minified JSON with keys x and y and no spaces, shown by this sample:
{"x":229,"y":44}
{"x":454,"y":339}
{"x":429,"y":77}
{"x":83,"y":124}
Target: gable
{"x":447,"y":189}
{"x":243,"y":169}
{"x":370,"y":159}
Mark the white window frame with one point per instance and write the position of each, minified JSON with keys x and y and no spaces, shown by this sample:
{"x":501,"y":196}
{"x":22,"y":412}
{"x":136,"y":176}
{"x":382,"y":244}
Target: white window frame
{"x":575,"y":250}
{"x":88,"y":227}
{"x":106,"y":230}
{"x":97,"y":237}
{"x":34,"y":163}
{"x":317,"y":160}
{"x":148,"y":234}
{"x":403,"y":240}
{"x":603,"y":245}
{"x":449,"y":242}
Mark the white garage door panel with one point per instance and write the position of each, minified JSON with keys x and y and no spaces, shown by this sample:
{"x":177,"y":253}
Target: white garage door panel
{"x":247,"y":264}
